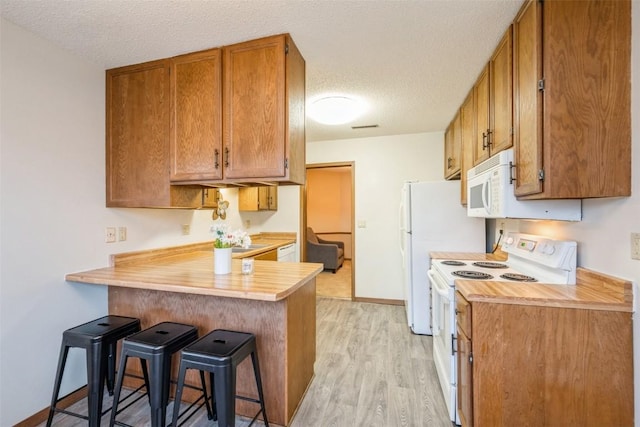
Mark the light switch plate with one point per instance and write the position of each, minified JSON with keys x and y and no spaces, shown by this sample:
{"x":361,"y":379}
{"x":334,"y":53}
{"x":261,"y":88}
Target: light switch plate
{"x":635,"y":246}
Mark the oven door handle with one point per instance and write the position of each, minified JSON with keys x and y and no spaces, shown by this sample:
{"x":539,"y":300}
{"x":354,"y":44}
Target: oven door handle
{"x":442,"y":290}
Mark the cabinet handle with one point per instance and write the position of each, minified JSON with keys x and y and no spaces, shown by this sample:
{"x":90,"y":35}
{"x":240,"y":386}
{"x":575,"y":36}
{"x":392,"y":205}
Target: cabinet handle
{"x":216,"y":162}
{"x":449,"y":159}
{"x":226,"y":157}
{"x":457,"y":311}
{"x":511,"y":168}
{"x":486,"y":139}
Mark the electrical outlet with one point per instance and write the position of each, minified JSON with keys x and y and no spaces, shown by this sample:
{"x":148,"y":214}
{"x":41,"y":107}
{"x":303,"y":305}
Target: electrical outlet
{"x":635,"y":245}
{"x":122,"y":234}
{"x":186,"y":229}
{"x":110,"y":234}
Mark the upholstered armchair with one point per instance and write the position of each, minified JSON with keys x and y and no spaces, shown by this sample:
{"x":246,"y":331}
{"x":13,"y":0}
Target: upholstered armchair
{"x":330,"y":253}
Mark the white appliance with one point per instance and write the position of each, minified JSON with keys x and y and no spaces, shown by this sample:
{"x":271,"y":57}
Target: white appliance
{"x":431,"y":219}
{"x":490,"y":194}
{"x":287,"y":253}
{"x":531,"y":259}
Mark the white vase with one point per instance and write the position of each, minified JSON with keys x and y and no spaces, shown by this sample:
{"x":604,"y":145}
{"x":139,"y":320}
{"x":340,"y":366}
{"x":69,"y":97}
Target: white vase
{"x":222,"y":260}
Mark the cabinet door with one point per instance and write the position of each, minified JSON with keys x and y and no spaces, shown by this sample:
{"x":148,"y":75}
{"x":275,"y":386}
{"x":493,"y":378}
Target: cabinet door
{"x":465,"y":380}
{"x":269,"y":198}
{"x":468,"y":131}
{"x":527,"y":99}
{"x":196,"y":137}
{"x":137,"y":135}
{"x":452,"y":147}
{"x":501,"y":100}
{"x":481,"y":99}
{"x":254,"y":111}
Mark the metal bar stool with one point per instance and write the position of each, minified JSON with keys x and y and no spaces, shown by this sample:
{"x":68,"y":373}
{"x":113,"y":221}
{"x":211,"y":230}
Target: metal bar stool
{"x":99,"y":338}
{"x":155,"y":345}
{"x":219,"y":353}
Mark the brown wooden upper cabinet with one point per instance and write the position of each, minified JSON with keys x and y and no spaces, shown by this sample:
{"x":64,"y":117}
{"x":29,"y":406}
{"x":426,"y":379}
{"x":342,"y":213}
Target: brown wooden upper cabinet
{"x":263,"y":111}
{"x":493,"y":97}
{"x":262,"y":198}
{"x":468,"y":131}
{"x":253,"y":90}
{"x":165,"y":122}
{"x":572,"y":90}
{"x":196,"y":136}
{"x":452,"y":149}
{"x":138,"y":109}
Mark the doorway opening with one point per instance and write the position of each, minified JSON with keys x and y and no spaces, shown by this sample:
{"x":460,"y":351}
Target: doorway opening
{"x":328,"y":209}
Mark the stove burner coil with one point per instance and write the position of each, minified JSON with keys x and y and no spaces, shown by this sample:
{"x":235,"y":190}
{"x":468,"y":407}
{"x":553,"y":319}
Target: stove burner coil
{"x":489,"y":264}
{"x":518,"y":277}
{"x":468,"y":274}
{"x":451,"y":262}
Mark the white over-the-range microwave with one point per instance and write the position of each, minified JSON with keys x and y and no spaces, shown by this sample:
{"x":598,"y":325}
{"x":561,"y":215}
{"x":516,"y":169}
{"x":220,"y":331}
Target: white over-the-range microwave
{"x":490,"y":195}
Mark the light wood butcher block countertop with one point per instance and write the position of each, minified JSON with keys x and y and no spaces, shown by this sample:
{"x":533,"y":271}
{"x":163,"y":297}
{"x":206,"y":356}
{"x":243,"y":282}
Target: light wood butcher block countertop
{"x":189,"y":269}
{"x":593,"y":291}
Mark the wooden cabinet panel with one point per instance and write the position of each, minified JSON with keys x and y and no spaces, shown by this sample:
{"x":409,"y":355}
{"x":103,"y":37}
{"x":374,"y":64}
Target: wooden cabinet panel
{"x":268,"y":256}
{"x":196,"y":137}
{"x":452,"y":149}
{"x":137,"y":139}
{"x":572,"y":366}
{"x":500,"y":73}
{"x":481,"y":102}
{"x":527,"y":99}
{"x":263,"y":198}
{"x":582,"y":63}
{"x":261,"y":87}
{"x":465,"y":378}
{"x":468,"y":131}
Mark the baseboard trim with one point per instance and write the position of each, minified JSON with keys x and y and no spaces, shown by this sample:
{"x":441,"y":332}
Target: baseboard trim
{"x":41,"y":416}
{"x":380,"y":301}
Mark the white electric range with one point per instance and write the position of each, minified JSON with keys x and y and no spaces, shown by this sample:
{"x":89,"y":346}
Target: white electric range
{"x":531,"y":259}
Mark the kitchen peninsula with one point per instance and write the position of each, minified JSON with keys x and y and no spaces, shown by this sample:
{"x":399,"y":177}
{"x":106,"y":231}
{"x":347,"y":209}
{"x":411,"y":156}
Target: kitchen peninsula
{"x":276,"y":303}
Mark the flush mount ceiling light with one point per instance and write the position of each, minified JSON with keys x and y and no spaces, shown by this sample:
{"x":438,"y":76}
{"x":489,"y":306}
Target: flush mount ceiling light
{"x":335,"y":110}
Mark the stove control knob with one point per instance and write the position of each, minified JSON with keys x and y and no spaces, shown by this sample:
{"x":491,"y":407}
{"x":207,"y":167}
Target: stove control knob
{"x":509,"y":240}
{"x":548,"y":249}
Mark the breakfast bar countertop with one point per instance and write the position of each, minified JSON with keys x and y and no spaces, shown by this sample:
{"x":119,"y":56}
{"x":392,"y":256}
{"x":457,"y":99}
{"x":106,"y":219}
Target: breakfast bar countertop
{"x":189,"y":269}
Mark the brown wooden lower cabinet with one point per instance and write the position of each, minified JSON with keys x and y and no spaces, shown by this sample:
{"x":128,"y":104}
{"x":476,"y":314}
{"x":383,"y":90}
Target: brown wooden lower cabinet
{"x":530,"y":365}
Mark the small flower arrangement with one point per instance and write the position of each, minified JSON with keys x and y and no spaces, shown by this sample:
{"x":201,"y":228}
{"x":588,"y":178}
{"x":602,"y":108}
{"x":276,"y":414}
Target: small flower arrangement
{"x":226,"y":238}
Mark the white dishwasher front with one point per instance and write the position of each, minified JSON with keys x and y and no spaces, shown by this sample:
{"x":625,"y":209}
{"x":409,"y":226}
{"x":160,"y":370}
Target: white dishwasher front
{"x":287,"y":253}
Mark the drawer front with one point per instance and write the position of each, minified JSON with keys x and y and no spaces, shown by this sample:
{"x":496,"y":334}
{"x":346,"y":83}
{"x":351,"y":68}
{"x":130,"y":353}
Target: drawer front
{"x":463,"y":314}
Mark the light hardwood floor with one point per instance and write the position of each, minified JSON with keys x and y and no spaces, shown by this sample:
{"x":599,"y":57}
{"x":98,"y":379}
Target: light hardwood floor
{"x":370,"y":371}
{"x":336,"y":285}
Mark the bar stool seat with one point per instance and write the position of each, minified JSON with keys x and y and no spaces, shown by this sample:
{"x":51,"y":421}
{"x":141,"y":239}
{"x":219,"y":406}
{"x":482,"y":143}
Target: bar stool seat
{"x":219,"y":353}
{"x":155,"y":345}
{"x":99,"y":338}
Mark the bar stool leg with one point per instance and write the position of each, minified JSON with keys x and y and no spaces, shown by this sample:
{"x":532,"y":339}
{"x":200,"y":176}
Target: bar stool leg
{"x":118,"y":387}
{"x":157,"y":393}
{"x":225,"y":385}
{"x":96,"y":371}
{"x":256,"y":373}
{"x":178,"y":396}
{"x":62,"y":360}
{"x":111,"y":367}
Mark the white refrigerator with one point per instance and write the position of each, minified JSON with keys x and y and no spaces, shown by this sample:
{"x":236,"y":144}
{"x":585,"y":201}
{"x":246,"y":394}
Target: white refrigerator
{"x":432,"y":220}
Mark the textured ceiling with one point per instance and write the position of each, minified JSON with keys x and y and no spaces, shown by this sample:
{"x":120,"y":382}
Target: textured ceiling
{"x":412,"y":61}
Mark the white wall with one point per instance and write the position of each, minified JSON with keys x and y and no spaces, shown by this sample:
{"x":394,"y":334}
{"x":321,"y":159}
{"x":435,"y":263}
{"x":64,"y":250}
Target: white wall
{"x":381,"y":166}
{"x":53,"y":215}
